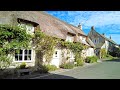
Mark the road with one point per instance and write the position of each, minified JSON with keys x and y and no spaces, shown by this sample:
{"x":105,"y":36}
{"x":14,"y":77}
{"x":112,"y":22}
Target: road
{"x":109,"y":69}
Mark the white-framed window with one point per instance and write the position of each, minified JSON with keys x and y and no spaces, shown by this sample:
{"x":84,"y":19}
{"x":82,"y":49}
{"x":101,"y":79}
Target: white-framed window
{"x":23,"y":55}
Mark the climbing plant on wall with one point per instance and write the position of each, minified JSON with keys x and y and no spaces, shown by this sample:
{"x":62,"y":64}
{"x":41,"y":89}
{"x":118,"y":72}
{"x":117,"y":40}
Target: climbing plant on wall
{"x":11,"y":37}
{"x":76,"y":48}
{"x":44,"y":44}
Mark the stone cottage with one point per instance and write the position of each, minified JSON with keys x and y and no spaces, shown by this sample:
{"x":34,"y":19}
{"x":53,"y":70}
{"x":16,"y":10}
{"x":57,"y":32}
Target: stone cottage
{"x":100,"y":41}
{"x":50,"y":26}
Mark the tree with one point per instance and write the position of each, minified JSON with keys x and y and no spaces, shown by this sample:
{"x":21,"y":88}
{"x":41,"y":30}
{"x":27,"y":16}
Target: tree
{"x":11,"y":38}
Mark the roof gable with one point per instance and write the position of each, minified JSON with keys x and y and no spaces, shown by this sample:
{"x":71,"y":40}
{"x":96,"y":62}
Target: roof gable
{"x":110,"y":40}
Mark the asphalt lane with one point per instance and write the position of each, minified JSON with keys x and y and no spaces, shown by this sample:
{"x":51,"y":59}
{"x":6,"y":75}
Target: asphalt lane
{"x":109,"y":69}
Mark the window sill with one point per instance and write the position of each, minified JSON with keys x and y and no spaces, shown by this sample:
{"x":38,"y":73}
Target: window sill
{"x":23,"y":61}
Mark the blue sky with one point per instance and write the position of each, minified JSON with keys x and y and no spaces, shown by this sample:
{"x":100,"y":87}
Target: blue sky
{"x":107,"y":22}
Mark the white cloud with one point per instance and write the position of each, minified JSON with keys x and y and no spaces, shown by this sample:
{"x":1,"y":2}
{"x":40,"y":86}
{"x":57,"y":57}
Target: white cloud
{"x":96,"y":18}
{"x":104,"y":21}
{"x":90,"y":18}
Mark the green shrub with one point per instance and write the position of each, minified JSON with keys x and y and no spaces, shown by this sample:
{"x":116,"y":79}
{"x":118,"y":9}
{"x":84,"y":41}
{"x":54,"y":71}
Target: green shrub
{"x":5,"y":62}
{"x":43,"y":69}
{"x":80,"y":62}
{"x":103,"y":53}
{"x":23,"y":65}
{"x":95,"y":58}
{"x":88,"y":59}
{"x":67,"y":66}
{"x":51,"y":67}
{"x":111,"y":57}
{"x":91,"y":59}
{"x":40,"y":69}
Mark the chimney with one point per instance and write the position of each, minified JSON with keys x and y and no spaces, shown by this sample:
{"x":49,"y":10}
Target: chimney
{"x":80,"y":26}
{"x":110,"y":37}
{"x":93,"y":28}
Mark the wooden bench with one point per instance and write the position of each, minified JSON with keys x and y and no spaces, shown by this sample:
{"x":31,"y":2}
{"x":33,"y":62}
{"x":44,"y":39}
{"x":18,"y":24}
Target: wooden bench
{"x":22,"y":72}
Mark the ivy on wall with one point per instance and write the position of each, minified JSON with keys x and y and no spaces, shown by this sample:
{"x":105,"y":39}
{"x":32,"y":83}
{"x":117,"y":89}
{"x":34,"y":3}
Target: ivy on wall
{"x":44,"y":44}
{"x":11,"y":37}
{"x":76,"y":48}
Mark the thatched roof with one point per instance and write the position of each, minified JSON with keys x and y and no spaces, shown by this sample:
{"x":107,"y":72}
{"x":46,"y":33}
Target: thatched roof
{"x":77,"y":30}
{"x":50,"y":25}
{"x":80,"y":32}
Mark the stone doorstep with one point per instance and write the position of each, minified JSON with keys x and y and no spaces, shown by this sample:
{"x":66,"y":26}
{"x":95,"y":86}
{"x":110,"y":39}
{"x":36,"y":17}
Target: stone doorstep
{"x":22,"y":71}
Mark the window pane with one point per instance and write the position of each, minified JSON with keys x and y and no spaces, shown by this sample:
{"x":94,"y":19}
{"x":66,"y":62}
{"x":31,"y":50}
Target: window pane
{"x":27,"y":58}
{"x":21,"y":51}
{"x":29,"y":51}
{"x":16,"y":57}
{"x":20,"y":58}
{"x":26,"y":51}
{"x":27,"y":55}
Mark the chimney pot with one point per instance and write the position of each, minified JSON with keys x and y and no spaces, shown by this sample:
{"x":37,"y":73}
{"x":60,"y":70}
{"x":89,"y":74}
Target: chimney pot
{"x":93,"y":28}
{"x":103,"y":34}
{"x":80,"y":26}
{"x":110,"y":37}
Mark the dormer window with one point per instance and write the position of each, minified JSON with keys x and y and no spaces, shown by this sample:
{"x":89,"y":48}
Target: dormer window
{"x":28,"y":25}
{"x":82,"y":38}
{"x":69,"y":39}
{"x":30,"y":28}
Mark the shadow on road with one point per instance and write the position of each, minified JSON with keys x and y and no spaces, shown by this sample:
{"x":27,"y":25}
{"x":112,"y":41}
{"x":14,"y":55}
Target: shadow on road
{"x":53,"y":76}
{"x":41,"y":76}
{"x":114,"y":60}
